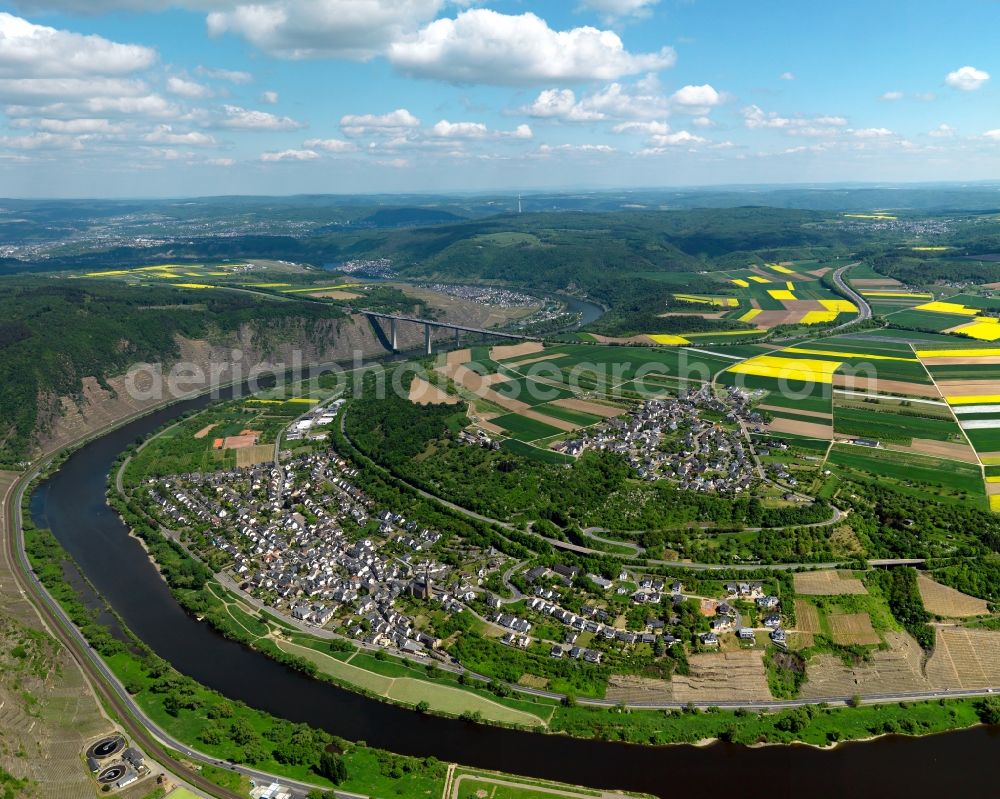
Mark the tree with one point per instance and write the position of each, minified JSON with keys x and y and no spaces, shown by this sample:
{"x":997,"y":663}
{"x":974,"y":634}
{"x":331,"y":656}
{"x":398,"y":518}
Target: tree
{"x":332,"y":766}
{"x":423,"y":706}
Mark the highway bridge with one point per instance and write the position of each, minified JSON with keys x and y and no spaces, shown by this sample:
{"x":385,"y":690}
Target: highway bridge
{"x":429,"y":324}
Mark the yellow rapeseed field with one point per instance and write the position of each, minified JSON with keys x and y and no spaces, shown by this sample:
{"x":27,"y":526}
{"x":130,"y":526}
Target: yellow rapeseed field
{"x":759,"y":279}
{"x":781,"y":294}
{"x":840,"y":306}
{"x":983,"y":329}
{"x":818,"y":317}
{"x":750,"y":315}
{"x":804,"y":369}
{"x":838,"y":354}
{"x":740,"y":282}
{"x":947,"y":307}
{"x":663,"y":338}
{"x":782,"y":269}
{"x":975,"y":399}
{"x":192,"y":285}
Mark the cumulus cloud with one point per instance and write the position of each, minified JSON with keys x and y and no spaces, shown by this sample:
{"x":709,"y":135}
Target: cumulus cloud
{"x":942,"y":131}
{"x":289,"y":155}
{"x":36,"y":51}
{"x":365,"y":124}
{"x":755,"y":118}
{"x":165,"y":134}
{"x":696,"y":100}
{"x":640,"y":100}
{"x":237,"y":118}
{"x":548,"y":149}
{"x":190,"y":89}
{"x":330,"y":145}
{"x":891,"y":96}
{"x":992,"y":134}
{"x":871,"y":133}
{"x":787,"y":76}
{"x":298,"y":29}
{"x":967,"y":79}
{"x":485,"y":46}
{"x":475,"y":130}
{"x":269,"y":97}
{"x":221,"y":162}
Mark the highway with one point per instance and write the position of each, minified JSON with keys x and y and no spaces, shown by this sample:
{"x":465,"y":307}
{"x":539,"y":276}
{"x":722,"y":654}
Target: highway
{"x":864,"y":309}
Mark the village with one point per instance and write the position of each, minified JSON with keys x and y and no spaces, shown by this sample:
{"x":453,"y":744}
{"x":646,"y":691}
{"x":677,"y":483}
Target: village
{"x":697,"y":440}
{"x":304,"y":541}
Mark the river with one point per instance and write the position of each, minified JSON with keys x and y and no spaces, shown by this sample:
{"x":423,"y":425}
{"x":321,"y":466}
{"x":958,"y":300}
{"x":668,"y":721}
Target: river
{"x":71,"y":503}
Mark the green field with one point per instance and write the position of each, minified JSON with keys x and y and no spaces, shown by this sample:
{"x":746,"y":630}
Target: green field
{"x":889,"y":425}
{"x":411,"y":691}
{"x":906,"y":468}
{"x":525,"y":429}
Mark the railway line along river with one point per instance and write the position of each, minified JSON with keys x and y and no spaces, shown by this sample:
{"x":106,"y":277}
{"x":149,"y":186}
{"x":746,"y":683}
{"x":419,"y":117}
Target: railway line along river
{"x":72,"y":504}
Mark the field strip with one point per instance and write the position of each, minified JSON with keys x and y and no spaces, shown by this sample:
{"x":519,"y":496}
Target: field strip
{"x":954,"y":415}
{"x":797,"y":411}
{"x":409,"y":690}
{"x":718,"y":354}
{"x":848,"y":393}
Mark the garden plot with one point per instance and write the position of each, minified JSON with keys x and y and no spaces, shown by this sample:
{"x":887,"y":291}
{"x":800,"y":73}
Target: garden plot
{"x":852,"y":628}
{"x":828,"y":583}
{"x":941,"y":600}
{"x":807,"y":619}
{"x":966,"y":659}
{"x":894,"y":670}
{"x":723,"y":677}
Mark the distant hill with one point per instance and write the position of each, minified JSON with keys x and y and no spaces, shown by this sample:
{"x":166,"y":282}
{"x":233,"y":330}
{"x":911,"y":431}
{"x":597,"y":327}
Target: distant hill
{"x":399,"y":217}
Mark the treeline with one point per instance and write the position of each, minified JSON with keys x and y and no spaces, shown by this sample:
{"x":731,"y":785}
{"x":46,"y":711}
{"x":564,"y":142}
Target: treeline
{"x":899,"y":585}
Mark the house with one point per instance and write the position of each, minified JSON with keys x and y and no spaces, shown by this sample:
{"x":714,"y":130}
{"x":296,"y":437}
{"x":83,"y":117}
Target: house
{"x":709,"y":639}
{"x":746,"y":634}
{"x":773,"y":621}
{"x":556,"y":651}
{"x":778,"y":636}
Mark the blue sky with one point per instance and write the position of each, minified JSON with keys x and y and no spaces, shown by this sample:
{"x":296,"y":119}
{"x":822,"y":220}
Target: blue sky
{"x":196,"y":97}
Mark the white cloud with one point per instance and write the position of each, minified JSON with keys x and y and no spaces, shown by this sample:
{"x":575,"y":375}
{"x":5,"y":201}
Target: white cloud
{"x":164,"y":134}
{"x":676,"y":138}
{"x":484,"y":46}
{"x":561,"y":104}
{"x":187,"y":88}
{"x":330,"y":145}
{"x":269,"y":97}
{"x":36,"y":51}
{"x":76,"y":127}
{"x":787,"y":76}
{"x":871,"y":133}
{"x":476,"y":130}
{"x":237,"y":118}
{"x":649,"y":128}
{"x":619,"y":8}
{"x":891,"y":96}
{"x":298,"y":29}
{"x":150,"y":105}
{"x":548,"y":149}
{"x":992,"y":134}
{"x":289,"y":155}
{"x":640,"y":100}
{"x":230,"y":75}
{"x":942,"y":131}
{"x":459,"y":130}
{"x":41,"y":141}
{"x":967,"y":79}
{"x":755,"y":118}
{"x":696,"y":100}
{"x":366,"y":124}
{"x":221,"y":162}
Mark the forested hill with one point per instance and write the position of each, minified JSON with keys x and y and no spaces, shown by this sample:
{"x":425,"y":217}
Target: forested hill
{"x":53,"y":334}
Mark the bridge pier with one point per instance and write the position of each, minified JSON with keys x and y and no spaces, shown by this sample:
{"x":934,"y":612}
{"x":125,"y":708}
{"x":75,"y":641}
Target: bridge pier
{"x":392,"y":335}
{"x":428,"y":350}
{"x":457,"y":337}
